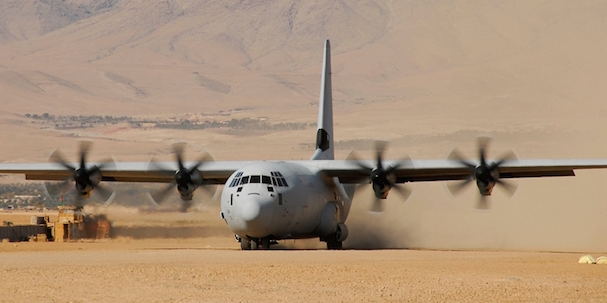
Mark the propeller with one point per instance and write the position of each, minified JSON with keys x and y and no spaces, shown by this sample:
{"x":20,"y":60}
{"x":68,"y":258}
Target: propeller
{"x":382,"y":177}
{"x":86,"y":177}
{"x":186,"y":179}
{"x":485,"y":174}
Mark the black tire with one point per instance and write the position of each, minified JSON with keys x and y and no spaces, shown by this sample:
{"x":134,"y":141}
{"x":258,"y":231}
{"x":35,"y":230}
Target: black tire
{"x":332,"y":242}
{"x":265,"y":243}
{"x":245,"y":244}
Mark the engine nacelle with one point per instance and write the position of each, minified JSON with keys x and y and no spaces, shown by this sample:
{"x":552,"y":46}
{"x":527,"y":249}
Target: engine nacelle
{"x":381,"y":190}
{"x":485,"y":188}
{"x":486,"y":179}
{"x":382,"y":182}
{"x":187,"y":192}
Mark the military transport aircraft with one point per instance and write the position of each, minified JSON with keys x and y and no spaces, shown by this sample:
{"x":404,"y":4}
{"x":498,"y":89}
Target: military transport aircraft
{"x":266,"y":201}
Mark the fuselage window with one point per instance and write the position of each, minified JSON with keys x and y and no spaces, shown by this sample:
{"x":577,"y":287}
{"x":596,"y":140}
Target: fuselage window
{"x":255,"y":179}
{"x":244,"y":180}
{"x":274,"y":181}
{"x":279,"y":182}
{"x":271,"y":189}
{"x":284,"y":181}
{"x":266,"y":180}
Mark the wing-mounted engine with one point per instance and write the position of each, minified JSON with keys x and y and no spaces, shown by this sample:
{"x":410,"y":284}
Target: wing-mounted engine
{"x":186,"y":179}
{"x":86,"y":178}
{"x":382,"y":177}
{"x":486,"y":175}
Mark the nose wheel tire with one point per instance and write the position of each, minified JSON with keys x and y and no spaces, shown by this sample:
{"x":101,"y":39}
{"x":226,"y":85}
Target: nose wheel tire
{"x":245,"y":244}
{"x":255,"y":244}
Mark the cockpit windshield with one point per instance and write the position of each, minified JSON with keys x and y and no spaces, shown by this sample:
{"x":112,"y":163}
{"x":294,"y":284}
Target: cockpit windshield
{"x":276,"y":179}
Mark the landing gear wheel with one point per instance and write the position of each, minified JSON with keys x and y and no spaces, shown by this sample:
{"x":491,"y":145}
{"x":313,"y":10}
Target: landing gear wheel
{"x":336,"y":239}
{"x":245,"y":244}
{"x":265,"y":243}
{"x":332,"y":242}
{"x":254,"y":244}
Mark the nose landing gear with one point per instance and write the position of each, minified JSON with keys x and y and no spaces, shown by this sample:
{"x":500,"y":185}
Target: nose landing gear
{"x":255,"y":243}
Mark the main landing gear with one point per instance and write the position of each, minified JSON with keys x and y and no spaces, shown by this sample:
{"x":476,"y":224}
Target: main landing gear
{"x":335,"y":240}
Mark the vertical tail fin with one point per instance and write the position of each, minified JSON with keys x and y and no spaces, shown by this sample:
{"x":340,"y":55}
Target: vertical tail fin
{"x":324,"y":132}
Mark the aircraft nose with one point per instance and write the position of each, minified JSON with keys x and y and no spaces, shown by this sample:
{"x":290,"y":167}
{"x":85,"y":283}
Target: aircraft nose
{"x":257,"y":212}
{"x":251,"y":210}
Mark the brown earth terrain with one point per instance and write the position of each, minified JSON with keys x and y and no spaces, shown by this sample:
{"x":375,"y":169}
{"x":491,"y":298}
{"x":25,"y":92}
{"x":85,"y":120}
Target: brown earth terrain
{"x":192,"y":257}
{"x":425,"y":75}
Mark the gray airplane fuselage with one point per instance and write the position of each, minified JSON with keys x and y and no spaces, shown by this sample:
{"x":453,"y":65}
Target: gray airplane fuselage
{"x":283,"y":200}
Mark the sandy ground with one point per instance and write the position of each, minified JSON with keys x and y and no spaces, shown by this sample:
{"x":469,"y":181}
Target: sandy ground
{"x":176,"y":257}
{"x":191,"y":271}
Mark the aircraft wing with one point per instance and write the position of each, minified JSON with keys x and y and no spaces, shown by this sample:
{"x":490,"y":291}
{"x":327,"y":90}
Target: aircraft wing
{"x":444,"y":170}
{"x":215,"y":172}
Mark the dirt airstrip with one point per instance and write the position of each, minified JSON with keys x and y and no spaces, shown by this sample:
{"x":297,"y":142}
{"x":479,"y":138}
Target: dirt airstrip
{"x":195,"y":271}
{"x":162,"y":258}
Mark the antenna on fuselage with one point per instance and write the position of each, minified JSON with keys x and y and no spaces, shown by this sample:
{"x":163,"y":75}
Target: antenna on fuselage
{"x":324,"y":132}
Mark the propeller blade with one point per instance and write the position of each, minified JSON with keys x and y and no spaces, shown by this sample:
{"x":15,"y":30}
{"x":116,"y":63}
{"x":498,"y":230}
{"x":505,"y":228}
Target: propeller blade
{"x":403,"y":191}
{"x":206,"y":157}
{"x":482,"y":149}
{"x":404,"y":161}
{"x":185,"y":205}
{"x":178,"y":150}
{"x":483,"y":202}
{"x":79,"y":201}
{"x":209,"y":190}
{"x":506,"y":157}
{"x":380,"y":147}
{"x":160,"y":196}
{"x":103,"y":192}
{"x":508,"y":186}
{"x":158,"y":168}
{"x":57,"y":157}
{"x":353,"y":156}
{"x":456,"y":187}
{"x":455,"y":155}
{"x":377,"y":206}
{"x":85,"y":146}
{"x":57,"y":188}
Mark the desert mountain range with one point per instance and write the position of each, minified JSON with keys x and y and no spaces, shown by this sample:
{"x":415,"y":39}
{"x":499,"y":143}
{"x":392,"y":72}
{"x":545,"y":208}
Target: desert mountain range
{"x":426,"y":75}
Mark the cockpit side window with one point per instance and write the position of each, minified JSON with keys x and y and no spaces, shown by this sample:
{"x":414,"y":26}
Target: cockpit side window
{"x":266,"y":180}
{"x":255,"y":179}
{"x":244,"y":180}
{"x":236,"y":179}
{"x":278,"y":179}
